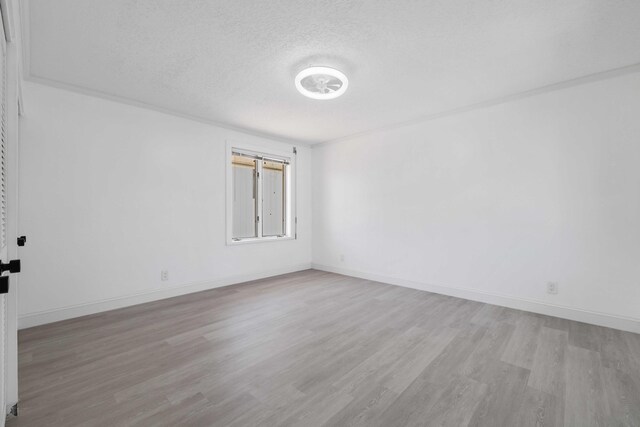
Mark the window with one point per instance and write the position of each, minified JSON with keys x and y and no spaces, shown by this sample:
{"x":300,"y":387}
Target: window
{"x":260,"y":202}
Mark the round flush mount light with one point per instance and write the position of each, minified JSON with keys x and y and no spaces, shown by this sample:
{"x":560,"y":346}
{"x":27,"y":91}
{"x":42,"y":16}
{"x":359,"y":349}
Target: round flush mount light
{"x":321,"y":82}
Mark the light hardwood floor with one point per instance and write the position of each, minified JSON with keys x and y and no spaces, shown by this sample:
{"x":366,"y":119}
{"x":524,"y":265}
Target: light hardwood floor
{"x":315,"y":348}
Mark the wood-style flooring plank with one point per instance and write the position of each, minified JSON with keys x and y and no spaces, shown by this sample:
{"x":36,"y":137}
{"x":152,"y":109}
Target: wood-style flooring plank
{"x":315,"y":348}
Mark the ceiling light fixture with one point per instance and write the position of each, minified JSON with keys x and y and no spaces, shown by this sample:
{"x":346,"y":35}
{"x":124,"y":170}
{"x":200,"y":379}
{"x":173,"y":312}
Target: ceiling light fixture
{"x":321,"y":82}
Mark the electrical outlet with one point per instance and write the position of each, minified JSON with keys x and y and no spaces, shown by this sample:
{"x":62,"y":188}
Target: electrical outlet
{"x":164,"y":275}
{"x":552,"y":288}
{"x":341,"y":257}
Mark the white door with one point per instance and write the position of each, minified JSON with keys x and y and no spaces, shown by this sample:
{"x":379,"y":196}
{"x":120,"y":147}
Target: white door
{"x":3,"y":225}
{"x":8,"y":169}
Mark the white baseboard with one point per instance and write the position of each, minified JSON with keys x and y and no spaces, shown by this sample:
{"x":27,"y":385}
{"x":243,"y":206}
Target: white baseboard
{"x":540,"y":307}
{"x":43,"y":317}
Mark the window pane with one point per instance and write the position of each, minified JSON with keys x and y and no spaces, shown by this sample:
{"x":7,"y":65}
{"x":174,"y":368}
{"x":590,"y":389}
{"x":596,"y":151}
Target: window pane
{"x":273,"y":198}
{"x":244,"y":197}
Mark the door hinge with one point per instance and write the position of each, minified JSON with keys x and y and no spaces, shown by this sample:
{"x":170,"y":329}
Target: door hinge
{"x":12,"y":266}
{"x":295,"y":150}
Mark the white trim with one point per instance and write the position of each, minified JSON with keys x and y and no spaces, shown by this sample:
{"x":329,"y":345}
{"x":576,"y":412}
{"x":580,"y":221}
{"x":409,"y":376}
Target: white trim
{"x":69,"y":312}
{"x":263,"y":239}
{"x":540,"y":307}
{"x":173,"y":113}
{"x":7,"y":20}
{"x":24,"y":21}
{"x":603,"y":75}
{"x":13,"y":212}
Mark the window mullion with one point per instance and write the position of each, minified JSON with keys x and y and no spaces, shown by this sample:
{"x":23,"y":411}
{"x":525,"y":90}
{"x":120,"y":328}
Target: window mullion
{"x":259,"y":217}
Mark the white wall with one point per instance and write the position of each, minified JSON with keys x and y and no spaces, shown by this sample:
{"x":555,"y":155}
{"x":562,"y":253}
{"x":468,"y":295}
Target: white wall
{"x":493,"y":203}
{"x":112,"y":194}
{"x":490,"y":205}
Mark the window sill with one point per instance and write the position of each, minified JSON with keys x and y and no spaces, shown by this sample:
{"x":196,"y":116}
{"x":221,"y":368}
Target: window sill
{"x":259,"y":240}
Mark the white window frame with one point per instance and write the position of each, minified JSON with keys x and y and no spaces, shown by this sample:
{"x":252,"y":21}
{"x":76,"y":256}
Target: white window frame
{"x":290,"y":197}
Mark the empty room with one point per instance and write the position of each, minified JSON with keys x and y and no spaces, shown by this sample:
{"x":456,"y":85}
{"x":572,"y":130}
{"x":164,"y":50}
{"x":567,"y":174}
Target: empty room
{"x":320,"y":213}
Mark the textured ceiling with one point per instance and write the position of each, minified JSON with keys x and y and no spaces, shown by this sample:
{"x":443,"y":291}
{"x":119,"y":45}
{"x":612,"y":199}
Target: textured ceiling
{"x":234,"y":61}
